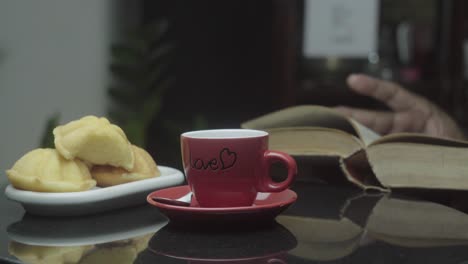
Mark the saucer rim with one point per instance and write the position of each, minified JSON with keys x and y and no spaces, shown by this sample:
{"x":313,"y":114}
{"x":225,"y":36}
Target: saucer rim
{"x":287,"y":202}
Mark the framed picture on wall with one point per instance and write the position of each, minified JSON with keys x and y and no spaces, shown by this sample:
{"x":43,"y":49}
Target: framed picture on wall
{"x":340,"y":28}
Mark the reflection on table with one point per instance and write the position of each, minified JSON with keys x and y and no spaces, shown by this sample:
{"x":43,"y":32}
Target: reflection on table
{"x":112,"y":237}
{"x":327,"y":224}
{"x":119,"y":251}
{"x":261,"y":245}
{"x":374,"y":228}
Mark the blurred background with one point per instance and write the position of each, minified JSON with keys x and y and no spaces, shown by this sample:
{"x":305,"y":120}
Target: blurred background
{"x":158,"y":68}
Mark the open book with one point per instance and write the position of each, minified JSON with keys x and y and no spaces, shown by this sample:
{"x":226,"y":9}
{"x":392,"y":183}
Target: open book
{"x":320,"y":138}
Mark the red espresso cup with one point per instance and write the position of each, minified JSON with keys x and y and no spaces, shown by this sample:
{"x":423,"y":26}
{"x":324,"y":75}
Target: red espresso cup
{"x":228,"y":167}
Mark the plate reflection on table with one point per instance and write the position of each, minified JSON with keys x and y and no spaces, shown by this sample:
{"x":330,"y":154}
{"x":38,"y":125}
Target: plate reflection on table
{"x":260,"y":245}
{"x":112,"y":237}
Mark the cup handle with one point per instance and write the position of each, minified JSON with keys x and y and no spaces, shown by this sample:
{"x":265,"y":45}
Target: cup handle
{"x":266,"y":184}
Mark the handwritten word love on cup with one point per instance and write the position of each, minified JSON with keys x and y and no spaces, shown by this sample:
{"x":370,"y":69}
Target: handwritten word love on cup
{"x":228,"y":167}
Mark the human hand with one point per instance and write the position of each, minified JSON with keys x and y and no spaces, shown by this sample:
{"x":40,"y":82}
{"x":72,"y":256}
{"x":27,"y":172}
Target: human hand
{"x":410,"y":112}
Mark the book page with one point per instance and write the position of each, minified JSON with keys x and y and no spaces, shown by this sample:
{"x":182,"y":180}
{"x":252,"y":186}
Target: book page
{"x":420,"y":139}
{"x":313,"y":141}
{"x":303,"y":116}
{"x":358,"y":171}
{"x":312,"y":116}
{"x":414,"y":165}
{"x":366,"y":134}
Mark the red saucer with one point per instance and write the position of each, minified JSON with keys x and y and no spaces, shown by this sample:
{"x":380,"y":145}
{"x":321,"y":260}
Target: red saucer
{"x":265,"y":208}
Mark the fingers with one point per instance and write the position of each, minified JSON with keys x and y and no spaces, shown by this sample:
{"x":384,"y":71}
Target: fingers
{"x":440,"y":124}
{"x":393,"y":95}
{"x":387,"y":122}
{"x":408,"y":122}
{"x":380,"y":122}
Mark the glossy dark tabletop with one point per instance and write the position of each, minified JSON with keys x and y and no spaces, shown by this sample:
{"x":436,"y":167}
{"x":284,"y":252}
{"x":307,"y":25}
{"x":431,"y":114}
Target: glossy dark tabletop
{"x":327,"y":224}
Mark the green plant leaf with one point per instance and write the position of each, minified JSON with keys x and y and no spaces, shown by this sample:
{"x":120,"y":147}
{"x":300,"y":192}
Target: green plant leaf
{"x":199,"y":122}
{"x":154,"y":31}
{"x":141,"y":69}
{"x":135,"y":129}
{"x":160,"y":51}
{"x":153,"y":105}
{"x":138,"y":44}
{"x":154,"y":78}
{"x":123,"y":95}
{"x":125,"y":73}
{"x":47,"y":139}
{"x":151,"y":108}
{"x":125,"y":55}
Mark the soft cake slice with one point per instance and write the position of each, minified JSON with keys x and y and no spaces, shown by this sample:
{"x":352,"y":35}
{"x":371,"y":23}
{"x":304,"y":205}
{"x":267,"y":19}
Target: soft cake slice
{"x":94,"y":140}
{"x":44,"y":170}
{"x":145,"y":167}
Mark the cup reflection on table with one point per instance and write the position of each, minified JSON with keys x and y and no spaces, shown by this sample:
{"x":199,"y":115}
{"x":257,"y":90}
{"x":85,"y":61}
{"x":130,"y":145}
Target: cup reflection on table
{"x":171,"y":244}
{"x":228,"y":167}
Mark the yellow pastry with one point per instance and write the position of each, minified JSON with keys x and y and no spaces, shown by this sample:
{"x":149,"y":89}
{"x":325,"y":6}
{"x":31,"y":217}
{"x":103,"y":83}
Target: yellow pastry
{"x":123,"y":251}
{"x":116,"y":255}
{"x":44,"y":170}
{"x":46,"y":254}
{"x":94,"y":140}
{"x":141,"y":243}
{"x":145,"y":167}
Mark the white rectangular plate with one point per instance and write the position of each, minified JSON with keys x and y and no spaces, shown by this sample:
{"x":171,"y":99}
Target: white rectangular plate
{"x":94,"y":200}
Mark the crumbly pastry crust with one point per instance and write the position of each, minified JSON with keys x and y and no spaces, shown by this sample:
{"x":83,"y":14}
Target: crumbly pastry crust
{"x":144,"y":168}
{"x":88,"y":152}
{"x":45,"y":170}
{"x":94,"y":140}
